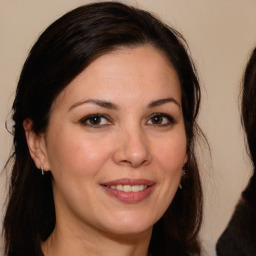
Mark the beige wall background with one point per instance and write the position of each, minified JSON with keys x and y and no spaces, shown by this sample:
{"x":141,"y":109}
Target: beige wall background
{"x":220,"y":33}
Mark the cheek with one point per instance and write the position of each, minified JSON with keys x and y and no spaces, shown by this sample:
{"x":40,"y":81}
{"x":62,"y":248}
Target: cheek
{"x":171,"y":154}
{"x":76,"y":154}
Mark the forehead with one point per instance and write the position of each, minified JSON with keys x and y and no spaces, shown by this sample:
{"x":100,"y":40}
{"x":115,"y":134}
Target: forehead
{"x":123,"y":74}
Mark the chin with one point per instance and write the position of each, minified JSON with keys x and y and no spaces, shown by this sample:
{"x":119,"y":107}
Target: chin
{"x":124,"y":233}
{"x":131,"y":226}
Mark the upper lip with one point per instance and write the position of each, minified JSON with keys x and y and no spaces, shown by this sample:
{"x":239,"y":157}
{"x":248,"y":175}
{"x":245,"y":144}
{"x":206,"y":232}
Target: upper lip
{"x":128,"y":181}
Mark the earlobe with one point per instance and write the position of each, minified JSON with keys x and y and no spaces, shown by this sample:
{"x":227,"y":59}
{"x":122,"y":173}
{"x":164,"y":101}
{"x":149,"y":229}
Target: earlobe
{"x":36,"y":145}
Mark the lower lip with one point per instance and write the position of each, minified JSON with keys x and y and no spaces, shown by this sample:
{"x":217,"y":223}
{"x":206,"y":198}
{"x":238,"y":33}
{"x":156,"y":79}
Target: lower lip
{"x":130,"y":197}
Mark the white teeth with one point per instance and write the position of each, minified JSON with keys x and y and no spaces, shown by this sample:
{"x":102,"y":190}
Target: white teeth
{"x":142,"y":187}
{"x":120,"y":187}
{"x":136,"y":188}
{"x":129,"y":188}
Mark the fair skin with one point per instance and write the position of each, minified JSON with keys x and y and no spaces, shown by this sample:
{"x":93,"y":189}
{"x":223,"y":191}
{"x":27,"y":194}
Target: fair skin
{"x":115,"y":146}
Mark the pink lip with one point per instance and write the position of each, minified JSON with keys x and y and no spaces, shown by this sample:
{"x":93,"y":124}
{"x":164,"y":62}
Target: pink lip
{"x":129,"y":197}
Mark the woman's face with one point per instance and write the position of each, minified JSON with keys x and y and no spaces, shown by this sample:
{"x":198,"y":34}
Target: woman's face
{"x":116,"y":143}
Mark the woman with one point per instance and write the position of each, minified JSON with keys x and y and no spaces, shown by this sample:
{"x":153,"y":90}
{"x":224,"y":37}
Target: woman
{"x":105,"y":120}
{"x":239,"y":238}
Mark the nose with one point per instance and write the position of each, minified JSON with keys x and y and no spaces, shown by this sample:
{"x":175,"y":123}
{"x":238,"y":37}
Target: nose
{"x":132,"y":149}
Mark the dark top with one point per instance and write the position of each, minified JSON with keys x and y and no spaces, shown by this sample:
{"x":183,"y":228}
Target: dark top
{"x":239,"y":238}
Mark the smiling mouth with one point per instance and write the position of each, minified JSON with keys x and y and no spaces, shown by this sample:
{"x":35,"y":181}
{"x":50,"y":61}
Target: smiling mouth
{"x":128,"y":188}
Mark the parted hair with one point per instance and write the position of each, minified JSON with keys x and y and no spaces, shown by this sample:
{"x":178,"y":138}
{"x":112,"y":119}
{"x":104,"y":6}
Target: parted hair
{"x":61,"y":52}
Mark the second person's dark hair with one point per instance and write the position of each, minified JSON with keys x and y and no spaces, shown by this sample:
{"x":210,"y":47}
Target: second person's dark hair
{"x":248,"y":106}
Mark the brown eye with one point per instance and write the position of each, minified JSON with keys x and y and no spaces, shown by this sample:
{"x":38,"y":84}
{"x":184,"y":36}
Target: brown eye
{"x":161,"y":119}
{"x":95,"y":120}
{"x":156,"y":119}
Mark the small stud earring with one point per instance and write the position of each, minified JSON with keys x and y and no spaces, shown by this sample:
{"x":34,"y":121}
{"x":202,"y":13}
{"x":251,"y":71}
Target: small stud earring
{"x":183,"y":170}
{"x":42,"y":169}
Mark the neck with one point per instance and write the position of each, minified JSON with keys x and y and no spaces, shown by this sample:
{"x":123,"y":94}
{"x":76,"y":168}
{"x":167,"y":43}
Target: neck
{"x":66,"y":240}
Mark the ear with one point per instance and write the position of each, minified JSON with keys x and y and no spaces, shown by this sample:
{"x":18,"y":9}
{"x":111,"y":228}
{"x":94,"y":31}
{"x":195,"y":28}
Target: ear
{"x":36,"y":145}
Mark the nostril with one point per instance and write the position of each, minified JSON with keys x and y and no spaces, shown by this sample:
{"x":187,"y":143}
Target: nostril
{"x":134,"y":163}
{"x":145,"y":162}
{"x":125,"y":162}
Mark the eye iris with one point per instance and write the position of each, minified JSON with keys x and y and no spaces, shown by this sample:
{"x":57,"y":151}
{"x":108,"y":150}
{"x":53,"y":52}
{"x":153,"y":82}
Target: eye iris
{"x":157,"y":119}
{"x":95,"y":120}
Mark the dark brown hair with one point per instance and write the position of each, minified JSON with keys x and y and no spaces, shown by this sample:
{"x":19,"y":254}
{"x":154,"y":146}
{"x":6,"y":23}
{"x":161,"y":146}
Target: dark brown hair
{"x":239,"y":237}
{"x":248,"y":106}
{"x":64,"y":50}
{"x":248,"y":116}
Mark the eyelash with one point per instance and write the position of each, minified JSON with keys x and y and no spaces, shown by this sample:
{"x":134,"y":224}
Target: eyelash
{"x":88,"y":120}
{"x":170,"y":119}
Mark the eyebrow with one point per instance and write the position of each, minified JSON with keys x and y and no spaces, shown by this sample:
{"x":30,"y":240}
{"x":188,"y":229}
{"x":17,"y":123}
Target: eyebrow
{"x":101,"y":103}
{"x":159,"y":102}
{"x":109,"y":105}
